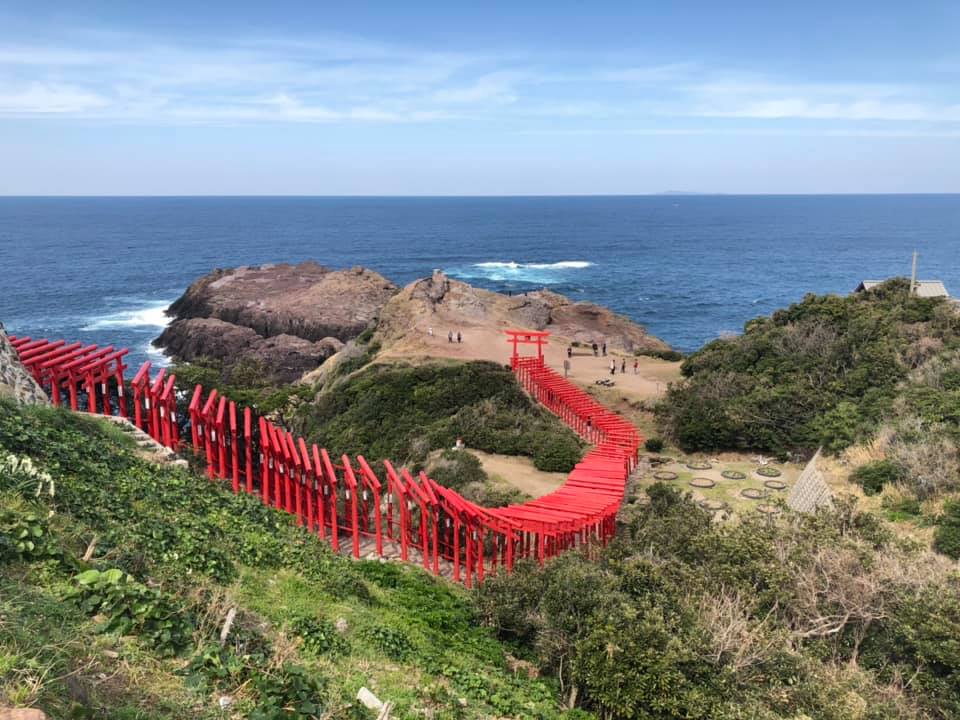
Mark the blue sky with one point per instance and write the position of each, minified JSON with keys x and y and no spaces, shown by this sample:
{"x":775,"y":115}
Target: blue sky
{"x":482,"y":98}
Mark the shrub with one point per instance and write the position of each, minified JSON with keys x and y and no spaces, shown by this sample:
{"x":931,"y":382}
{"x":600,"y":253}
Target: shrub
{"x":654,"y":445}
{"x":402,"y":412}
{"x":671,"y":355}
{"x":457,"y":468}
{"x":557,"y":454}
{"x":947,"y":537}
{"x":824,"y":371}
{"x":873,"y":476}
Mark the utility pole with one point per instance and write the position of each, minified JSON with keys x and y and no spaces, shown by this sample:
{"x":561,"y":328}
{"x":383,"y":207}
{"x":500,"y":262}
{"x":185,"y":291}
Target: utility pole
{"x":913,"y":275}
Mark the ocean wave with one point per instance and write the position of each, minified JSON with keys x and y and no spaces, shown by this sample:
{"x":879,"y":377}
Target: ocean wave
{"x":514,"y":272}
{"x":152,"y":316}
{"x":157,"y":356}
{"x":562,"y":265}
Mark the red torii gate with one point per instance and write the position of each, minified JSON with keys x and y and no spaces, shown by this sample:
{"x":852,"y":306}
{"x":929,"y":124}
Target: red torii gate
{"x":526,"y":337}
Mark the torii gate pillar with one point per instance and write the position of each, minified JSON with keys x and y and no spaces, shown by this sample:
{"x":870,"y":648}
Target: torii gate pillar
{"x":526,"y":337}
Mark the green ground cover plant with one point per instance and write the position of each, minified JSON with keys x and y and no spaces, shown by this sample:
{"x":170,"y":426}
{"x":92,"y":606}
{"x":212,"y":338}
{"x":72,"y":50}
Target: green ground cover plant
{"x":116,"y":579}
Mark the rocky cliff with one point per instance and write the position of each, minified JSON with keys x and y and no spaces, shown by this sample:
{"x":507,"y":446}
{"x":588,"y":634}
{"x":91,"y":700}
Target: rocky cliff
{"x":15,"y":381}
{"x":291,"y":318}
{"x":288,"y":317}
{"x":441,"y":303}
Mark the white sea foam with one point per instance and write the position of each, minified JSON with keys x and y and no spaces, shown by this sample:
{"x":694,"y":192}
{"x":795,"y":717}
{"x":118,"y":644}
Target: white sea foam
{"x":562,"y":265}
{"x":150,"y":316}
{"x":157,"y":356}
{"x":535,"y":273}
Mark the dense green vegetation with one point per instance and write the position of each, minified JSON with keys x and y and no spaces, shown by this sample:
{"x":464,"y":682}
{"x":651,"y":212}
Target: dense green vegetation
{"x":879,"y":368}
{"x":826,"y":371}
{"x":826,"y":617}
{"x":403,"y":412}
{"x":116,"y":576}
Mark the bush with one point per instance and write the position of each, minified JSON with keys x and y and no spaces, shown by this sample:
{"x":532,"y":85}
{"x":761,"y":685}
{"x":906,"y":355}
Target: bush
{"x":402,"y":412}
{"x":671,"y":355}
{"x":947,"y":537}
{"x":654,"y":445}
{"x":456,"y":469}
{"x":557,"y":454}
{"x":822,"y":372}
{"x":873,"y":476}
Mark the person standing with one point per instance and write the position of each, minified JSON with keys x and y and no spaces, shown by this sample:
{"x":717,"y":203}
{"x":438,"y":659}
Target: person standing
{"x":459,"y":337}
{"x":613,"y":367}
{"x":450,"y":336}
{"x":636,"y":366}
{"x":604,"y":348}
{"x":566,"y":367}
{"x":430,"y":332}
{"x":623,"y":367}
{"x":569,"y":351}
{"x":595,"y":350}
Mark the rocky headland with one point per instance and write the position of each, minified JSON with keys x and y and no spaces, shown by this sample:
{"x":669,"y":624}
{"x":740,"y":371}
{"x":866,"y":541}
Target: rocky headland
{"x":289,"y":318}
{"x":441,"y":303}
{"x":292,"y":318}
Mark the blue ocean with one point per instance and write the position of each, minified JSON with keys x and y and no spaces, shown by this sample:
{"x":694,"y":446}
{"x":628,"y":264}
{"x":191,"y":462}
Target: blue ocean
{"x":102,"y":270}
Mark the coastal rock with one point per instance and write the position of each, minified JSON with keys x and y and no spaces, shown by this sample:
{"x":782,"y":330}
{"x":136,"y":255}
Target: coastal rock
{"x":287,"y":318}
{"x":15,"y":382}
{"x":308,"y":300}
{"x":285,"y":358}
{"x":440,"y":303}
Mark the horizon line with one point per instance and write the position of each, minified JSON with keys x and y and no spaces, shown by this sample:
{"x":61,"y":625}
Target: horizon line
{"x":664,"y":194}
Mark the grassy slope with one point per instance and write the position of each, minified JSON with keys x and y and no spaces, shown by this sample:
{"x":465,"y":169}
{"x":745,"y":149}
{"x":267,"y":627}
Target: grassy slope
{"x":403,"y":412}
{"x":194,"y":550}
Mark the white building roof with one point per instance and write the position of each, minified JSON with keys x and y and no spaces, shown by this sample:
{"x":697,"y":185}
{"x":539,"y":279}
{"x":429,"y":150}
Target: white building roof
{"x":925,"y":288}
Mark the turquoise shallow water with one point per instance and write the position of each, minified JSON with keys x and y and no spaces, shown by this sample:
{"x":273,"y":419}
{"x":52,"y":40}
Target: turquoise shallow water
{"x":689,"y":267}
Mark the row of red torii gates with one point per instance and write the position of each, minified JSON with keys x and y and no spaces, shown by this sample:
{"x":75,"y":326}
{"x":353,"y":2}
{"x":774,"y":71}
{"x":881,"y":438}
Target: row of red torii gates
{"x":346,"y":499}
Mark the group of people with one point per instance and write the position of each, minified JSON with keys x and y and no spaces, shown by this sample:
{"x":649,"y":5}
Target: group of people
{"x":623,"y":366}
{"x":613,"y":363}
{"x":450,"y":335}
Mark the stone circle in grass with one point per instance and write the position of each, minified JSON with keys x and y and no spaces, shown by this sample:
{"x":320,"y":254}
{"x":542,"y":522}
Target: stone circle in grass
{"x":768,"y":509}
{"x":702,"y":482}
{"x":775,"y":484}
{"x":665,"y":475}
{"x":753,"y":493}
{"x":699,"y":465}
{"x":768,"y":471}
{"x":712,"y":505}
{"x":733,"y":475}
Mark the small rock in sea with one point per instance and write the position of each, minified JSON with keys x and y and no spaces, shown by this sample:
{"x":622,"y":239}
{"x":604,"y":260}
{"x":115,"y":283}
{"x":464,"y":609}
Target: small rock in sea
{"x":341,"y":625}
{"x":225,"y":701}
{"x":368,"y":699}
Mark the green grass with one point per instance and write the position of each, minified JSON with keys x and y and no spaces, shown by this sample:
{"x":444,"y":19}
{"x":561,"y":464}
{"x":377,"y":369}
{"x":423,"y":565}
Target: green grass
{"x":192,"y":546}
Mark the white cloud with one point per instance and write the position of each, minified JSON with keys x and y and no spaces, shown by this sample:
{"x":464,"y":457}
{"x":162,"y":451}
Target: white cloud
{"x":109,"y":75}
{"x":47,"y":99}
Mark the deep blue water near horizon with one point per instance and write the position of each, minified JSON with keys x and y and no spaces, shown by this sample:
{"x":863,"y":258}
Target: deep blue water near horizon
{"x":101,"y":270}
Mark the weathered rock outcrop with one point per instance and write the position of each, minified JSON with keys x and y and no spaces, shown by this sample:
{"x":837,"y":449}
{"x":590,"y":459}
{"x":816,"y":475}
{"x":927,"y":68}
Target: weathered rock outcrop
{"x":15,"y":381}
{"x":440,"y":302}
{"x":289,"y":318}
{"x":308,"y":300}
